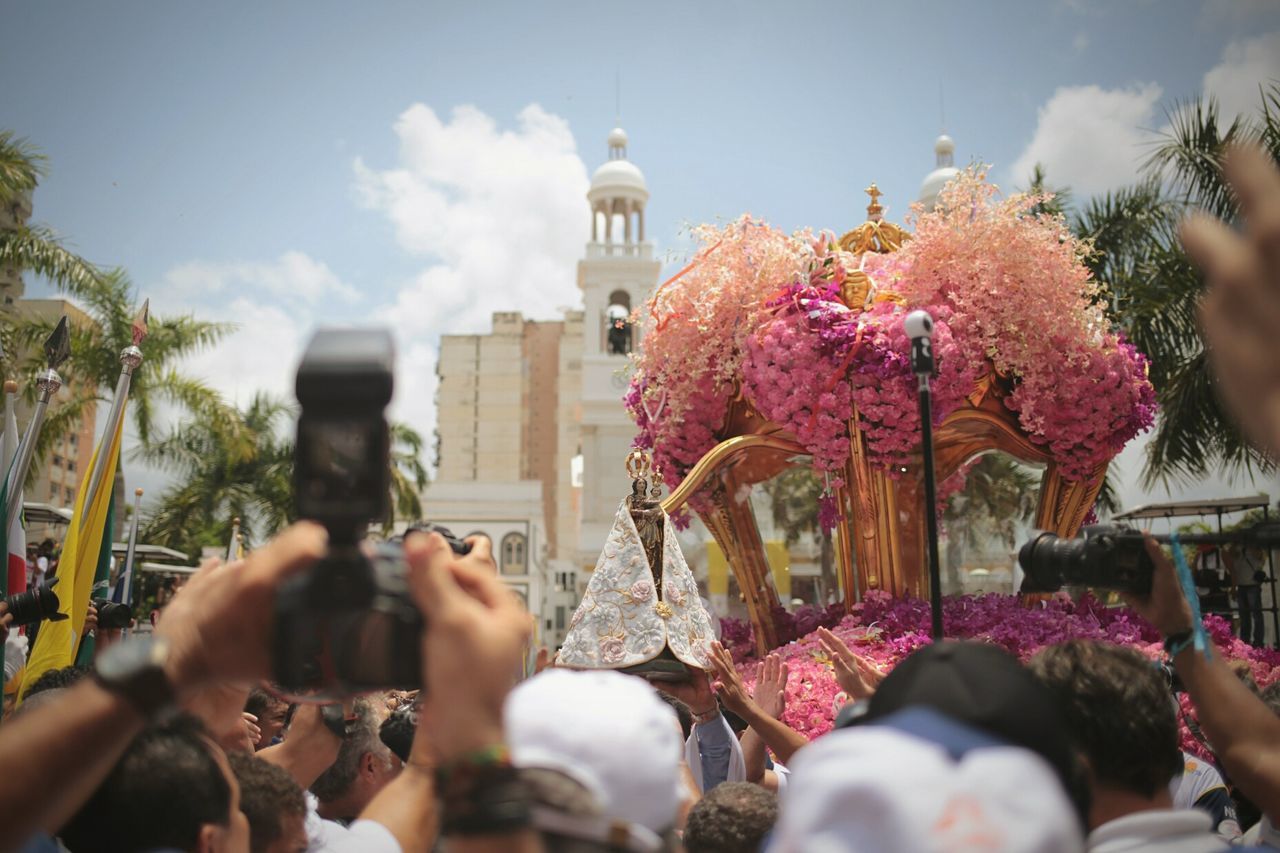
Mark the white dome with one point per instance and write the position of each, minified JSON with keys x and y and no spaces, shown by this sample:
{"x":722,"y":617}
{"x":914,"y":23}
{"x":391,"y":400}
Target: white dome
{"x":618,"y":173}
{"x":945,"y":148}
{"x":933,"y":184}
{"x":617,"y":138}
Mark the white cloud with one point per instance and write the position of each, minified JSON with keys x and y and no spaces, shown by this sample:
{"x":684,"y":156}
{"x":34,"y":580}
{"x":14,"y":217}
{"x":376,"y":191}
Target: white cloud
{"x":1247,"y":65}
{"x":500,"y":217}
{"x":1080,"y":43}
{"x":1089,"y":138}
{"x":294,"y":277}
{"x":273,"y":305}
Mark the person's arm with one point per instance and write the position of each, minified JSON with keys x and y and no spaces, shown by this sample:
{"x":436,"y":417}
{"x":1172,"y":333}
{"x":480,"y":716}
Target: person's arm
{"x":475,"y":637}
{"x":55,"y":759}
{"x":309,"y":748}
{"x":1244,"y":732}
{"x":65,"y":750}
{"x":777,"y":735}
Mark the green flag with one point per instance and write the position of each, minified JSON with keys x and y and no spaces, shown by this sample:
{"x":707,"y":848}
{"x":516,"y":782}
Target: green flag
{"x":101,"y":582}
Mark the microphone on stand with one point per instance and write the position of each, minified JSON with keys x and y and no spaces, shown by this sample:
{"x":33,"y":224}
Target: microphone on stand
{"x":919,"y":328}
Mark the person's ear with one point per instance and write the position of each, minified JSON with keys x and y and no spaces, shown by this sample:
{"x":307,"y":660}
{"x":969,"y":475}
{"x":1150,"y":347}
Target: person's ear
{"x":368,"y":765}
{"x":210,"y":838}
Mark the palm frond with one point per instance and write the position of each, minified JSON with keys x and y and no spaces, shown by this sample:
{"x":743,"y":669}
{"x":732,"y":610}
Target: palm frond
{"x":21,"y":166}
{"x":36,"y":249}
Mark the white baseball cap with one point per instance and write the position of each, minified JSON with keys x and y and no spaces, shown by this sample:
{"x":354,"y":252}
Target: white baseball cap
{"x":605,"y":730}
{"x":919,"y":781}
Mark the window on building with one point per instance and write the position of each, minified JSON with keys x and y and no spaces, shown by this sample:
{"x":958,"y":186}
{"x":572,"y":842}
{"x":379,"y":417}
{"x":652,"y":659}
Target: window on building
{"x":57,"y":460}
{"x":560,"y":617}
{"x":513,"y":555}
{"x":71,"y":465}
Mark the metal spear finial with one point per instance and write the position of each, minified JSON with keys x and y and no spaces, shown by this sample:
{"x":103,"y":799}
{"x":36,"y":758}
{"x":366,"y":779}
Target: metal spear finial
{"x":57,"y":348}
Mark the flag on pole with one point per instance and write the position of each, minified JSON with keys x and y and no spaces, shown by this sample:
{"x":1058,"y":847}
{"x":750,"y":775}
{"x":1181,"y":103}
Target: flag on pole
{"x":57,"y":641}
{"x":101,"y":581}
{"x":16,"y":539}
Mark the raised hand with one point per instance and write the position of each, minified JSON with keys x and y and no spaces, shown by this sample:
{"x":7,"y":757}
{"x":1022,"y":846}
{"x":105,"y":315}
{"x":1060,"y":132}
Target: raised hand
{"x":475,"y":640}
{"x":1240,"y":312}
{"x":857,"y":676}
{"x":770,"y":691}
{"x":727,"y":682}
{"x":1165,"y":607}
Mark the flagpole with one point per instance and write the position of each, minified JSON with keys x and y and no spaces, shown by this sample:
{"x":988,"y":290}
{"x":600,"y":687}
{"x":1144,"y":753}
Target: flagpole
{"x":10,"y":401}
{"x":130,"y":358}
{"x":126,"y":576}
{"x":56,"y":350}
{"x":235,"y":535}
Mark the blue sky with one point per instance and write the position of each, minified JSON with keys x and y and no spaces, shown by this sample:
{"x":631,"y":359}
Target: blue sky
{"x":282,"y":164}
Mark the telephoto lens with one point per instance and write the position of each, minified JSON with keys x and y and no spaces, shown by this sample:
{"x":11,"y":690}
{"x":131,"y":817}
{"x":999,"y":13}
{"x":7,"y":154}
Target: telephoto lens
{"x":111,"y":614}
{"x":1104,"y":556}
{"x":36,"y":604}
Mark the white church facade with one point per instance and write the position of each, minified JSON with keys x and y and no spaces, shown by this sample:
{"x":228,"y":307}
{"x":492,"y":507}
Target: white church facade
{"x":532,"y":433}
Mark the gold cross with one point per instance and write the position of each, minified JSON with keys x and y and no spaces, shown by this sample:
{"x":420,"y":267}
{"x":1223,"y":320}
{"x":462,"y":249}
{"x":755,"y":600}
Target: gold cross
{"x":874,"y":210}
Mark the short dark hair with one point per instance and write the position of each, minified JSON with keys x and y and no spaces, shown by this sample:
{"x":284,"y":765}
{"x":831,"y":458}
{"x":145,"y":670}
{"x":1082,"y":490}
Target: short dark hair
{"x":55,"y":679}
{"x":730,"y":817}
{"x":1118,"y":709}
{"x":361,"y":737}
{"x":267,"y":792}
{"x":683,"y":712}
{"x":161,"y":792}
{"x":258,"y":702}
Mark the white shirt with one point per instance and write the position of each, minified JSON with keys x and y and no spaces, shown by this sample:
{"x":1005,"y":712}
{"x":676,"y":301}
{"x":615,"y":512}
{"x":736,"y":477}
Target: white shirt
{"x":363,"y":836}
{"x":1160,"y":830}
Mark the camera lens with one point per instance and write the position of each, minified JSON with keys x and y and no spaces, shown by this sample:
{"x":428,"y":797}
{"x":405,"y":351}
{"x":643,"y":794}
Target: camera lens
{"x":112,"y":614}
{"x":36,"y":604}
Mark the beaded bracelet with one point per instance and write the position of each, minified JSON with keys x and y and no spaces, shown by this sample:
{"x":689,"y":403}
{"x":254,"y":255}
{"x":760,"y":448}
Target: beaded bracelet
{"x":482,"y":794}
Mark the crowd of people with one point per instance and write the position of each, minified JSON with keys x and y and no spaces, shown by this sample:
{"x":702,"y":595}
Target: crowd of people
{"x":175,"y":740}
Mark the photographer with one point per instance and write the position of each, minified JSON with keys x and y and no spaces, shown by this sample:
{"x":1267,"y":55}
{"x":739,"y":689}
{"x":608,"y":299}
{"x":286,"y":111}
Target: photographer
{"x":1244,"y":733}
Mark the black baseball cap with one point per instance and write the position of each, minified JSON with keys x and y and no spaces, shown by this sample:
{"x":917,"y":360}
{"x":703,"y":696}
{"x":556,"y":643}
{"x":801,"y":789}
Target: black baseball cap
{"x":986,"y":688}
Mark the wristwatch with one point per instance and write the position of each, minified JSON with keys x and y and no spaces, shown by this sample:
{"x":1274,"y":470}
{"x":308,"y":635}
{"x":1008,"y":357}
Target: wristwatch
{"x":134,"y":670}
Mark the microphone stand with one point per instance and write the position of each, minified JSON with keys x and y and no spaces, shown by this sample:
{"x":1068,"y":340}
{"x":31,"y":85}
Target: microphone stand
{"x":919,"y":327}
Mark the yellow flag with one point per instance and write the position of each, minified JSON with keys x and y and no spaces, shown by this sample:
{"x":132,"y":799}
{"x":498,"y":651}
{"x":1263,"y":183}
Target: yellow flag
{"x":56,"y":643}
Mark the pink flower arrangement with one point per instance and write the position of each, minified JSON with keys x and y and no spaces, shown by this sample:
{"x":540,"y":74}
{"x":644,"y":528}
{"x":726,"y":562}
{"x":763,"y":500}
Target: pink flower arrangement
{"x":697,"y":325}
{"x":760,"y":310}
{"x":886,"y":630}
{"x":1020,"y":295}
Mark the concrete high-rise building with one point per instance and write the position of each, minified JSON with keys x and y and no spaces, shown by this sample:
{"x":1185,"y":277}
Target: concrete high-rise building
{"x":532,"y":432}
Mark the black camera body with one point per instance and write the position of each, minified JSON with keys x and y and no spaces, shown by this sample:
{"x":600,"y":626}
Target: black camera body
{"x":1103,"y":556}
{"x":349,"y":624}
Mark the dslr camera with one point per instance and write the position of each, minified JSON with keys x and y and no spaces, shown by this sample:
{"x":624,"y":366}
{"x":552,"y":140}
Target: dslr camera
{"x":36,"y":604}
{"x":1103,"y":556}
{"x":112,"y":614}
{"x":348,"y":625}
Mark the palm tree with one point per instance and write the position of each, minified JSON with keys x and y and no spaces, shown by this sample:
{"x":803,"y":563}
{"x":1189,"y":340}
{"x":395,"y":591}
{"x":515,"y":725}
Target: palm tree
{"x":998,"y":493}
{"x":91,"y":373}
{"x":242,"y":468}
{"x":408,"y":476}
{"x":1152,"y":287}
{"x":35,"y":248}
{"x":794,"y":495}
